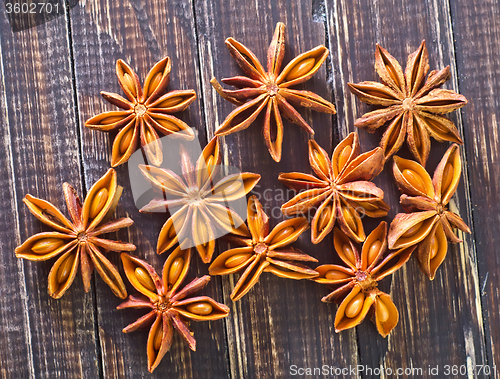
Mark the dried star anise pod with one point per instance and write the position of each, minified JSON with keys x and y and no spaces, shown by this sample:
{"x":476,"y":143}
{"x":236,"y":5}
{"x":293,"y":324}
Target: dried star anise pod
{"x":263,"y":251}
{"x":410,"y":103}
{"x":170,"y":305}
{"x":341,"y":191}
{"x":201,"y":199}
{"x":429,"y":223}
{"x":271,"y":90}
{"x":77,"y":241}
{"x":146,"y":114}
{"x":355,"y":285}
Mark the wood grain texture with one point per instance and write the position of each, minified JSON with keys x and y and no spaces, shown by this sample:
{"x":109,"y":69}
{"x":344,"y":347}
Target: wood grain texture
{"x":476,"y":32}
{"x":279,"y":323}
{"x":141,"y":33}
{"x":440,"y":321}
{"x":40,"y":337}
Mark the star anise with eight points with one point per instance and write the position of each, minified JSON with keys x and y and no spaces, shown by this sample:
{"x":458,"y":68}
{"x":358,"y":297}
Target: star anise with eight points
{"x":411,"y":104}
{"x":146,"y":113}
{"x":341,"y":192}
{"x":429,"y":223}
{"x":355,"y":285}
{"x":170,"y":305}
{"x":263,"y":251}
{"x":77,"y":241}
{"x":271,"y":90}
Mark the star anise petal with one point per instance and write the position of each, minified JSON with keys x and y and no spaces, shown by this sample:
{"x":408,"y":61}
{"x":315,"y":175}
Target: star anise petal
{"x":390,"y":71}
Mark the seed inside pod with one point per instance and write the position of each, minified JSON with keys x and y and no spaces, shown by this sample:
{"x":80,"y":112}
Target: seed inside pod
{"x":202,"y":231}
{"x":65,"y":269}
{"x":158,"y":337}
{"x":201,"y":309}
{"x":413,"y":230}
{"x":98,"y":202}
{"x":355,"y":305}
{"x":129,"y":83}
{"x":144,"y":278}
{"x":434,"y":247}
{"x":344,"y":156}
{"x":336,"y":275}
{"x":283,"y":234}
{"x":447,"y":177}
{"x":111,"y":120}
{"x":170,"y":102}
{"x":326,"y":214}
{"x":382,"y":311}
{"x":374,"y":250}
{"x":236,"y":260}
{"x":154,"y":82}
{"x":126,"y":139}
{"x":349,"y":254}
{"x":414,"y":179}
{"x":321,"y":162}
{"x":301,"y":68}
{"x":175,"y":270}
{"x":167,"y":124}
{"x":46,"y":245}
{"x":349,"y":219}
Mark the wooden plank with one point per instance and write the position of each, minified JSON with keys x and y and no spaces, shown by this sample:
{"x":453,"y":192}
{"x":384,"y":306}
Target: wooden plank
{"x":141,"y":35}
{"x":476,"y":33}
{"x":440,"y":321}
{"x":281,"y":322}
{"x":40,"y":337}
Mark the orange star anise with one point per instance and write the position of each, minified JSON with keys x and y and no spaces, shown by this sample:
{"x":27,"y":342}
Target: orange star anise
{"x":355,"y":285}
{"x":170,"y":306}
{"x":341,"y":192}
{"x":201,"y":204}
{"x":264,"y":251}
{"x":271,"y":90}
{"x":429,"y":223}
{"x":410,"y":103}
{"x":146,"y":113}
{"x":77,"y":241}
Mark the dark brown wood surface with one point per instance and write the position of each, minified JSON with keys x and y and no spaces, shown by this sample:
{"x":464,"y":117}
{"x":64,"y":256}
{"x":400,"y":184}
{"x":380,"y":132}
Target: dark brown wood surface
{"x":51,"y":76}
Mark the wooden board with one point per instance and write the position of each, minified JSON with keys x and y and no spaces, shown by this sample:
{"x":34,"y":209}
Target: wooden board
{"x":51,"y":78}
{"x":40,"y":337}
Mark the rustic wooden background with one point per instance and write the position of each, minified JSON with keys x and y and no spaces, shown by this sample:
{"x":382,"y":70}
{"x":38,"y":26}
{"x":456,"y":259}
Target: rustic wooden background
{"x":51,"y":76}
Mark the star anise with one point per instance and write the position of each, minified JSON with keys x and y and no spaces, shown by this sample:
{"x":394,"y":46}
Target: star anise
{"x":263,"y":251}
{"x":146,"y":114}
{"x":170,"y":306}
{"x":410,"y":103}
{"x":341,"y":191}
{"x":77,"y":241}
{"x":271,"y":90}
{"x":355,"y":285}
{"x":429,"y":222}
{"x":201,"y":203}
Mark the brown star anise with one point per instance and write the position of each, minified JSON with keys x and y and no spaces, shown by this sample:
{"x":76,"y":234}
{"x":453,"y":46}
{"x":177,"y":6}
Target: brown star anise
{"x":429,"y":221}
{"x":78,"y":241}
{"x":263,"y":251}
{"x":170,"y":306}
{"x":145,"y":114}
{"x":201,"y":204}
{"x":271,"y":90}
{"x":355,"y":285}
{"x":412,"y":105}
{"x":341,"y":192}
